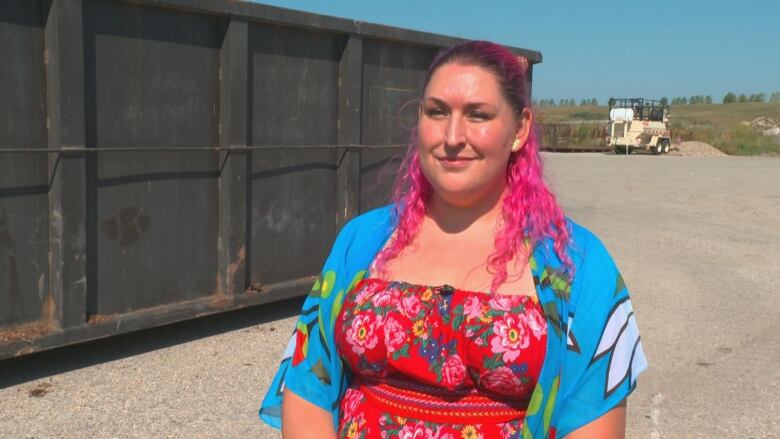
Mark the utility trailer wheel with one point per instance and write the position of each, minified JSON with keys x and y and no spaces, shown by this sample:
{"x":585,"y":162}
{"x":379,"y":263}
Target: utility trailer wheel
{"x":658,"y":149}
{"x":666,"y":146}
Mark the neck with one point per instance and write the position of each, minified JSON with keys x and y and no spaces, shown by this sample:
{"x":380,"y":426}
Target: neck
{"x":453,"y":218}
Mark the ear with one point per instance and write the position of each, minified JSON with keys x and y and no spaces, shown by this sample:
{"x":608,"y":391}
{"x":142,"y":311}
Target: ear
{"x":524,"y":124}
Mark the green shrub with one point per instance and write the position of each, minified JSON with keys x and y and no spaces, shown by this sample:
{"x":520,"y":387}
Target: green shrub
{"x":735,"y":140}
{"x":744,"y":140}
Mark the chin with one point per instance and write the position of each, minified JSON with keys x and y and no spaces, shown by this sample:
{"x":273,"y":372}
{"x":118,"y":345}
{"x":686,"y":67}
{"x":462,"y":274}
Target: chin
{"x":464,"y":193}
{"x":457,"y":195}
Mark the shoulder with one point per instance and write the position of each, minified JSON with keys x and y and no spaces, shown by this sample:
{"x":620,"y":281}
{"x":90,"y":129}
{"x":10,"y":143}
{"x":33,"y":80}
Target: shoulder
{"x":365,"y":232}
{"x":369,"y":222}
{"x":596,"y":276}
{"x":585,"y":248}
{"x":371,"y":217}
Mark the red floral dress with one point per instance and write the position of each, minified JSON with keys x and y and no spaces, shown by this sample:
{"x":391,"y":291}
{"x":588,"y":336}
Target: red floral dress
{"x":437,"y":362}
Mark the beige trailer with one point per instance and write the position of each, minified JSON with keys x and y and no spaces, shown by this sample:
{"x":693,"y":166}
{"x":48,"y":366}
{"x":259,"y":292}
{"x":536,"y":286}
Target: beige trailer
{"x":638,"y":124}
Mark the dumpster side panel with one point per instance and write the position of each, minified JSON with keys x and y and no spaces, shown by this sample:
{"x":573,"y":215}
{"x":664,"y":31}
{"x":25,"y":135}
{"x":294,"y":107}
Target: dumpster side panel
{"x":24,"y":182}
{"x":152,"y":81}
{"x":293,"y":85}
{"x":393,"y":75}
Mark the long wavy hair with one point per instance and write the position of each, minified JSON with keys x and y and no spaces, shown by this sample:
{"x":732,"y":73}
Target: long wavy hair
{"x":529,"y":211}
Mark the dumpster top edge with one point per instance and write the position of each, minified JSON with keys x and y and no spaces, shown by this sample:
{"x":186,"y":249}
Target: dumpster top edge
{"x":295,"y":18}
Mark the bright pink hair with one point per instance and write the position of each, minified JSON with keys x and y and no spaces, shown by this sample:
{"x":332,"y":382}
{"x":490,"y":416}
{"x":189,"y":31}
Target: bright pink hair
{"x":529,"y":210}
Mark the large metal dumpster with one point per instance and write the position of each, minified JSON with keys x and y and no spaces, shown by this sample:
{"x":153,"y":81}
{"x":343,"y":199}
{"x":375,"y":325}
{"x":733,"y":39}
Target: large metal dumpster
{"x":162,"y":160}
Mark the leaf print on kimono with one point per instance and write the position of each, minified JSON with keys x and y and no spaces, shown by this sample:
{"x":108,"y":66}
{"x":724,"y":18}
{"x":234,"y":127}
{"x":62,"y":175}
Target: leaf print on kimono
{"x":286,"y":356}
{"x":301,"y":343}
{"x":553,"y":317}
{"x":338,"y":302}
{"x":571,"y":338}
{"x":334,"y":312}
{"x":621,"y":342}
{"x":550,"y":406}
{"x":620,"y":285}
{"x":321,"y":372}
{"x":536,"y":401}
{"x":324,"y":285}
{"x":558,"y":281}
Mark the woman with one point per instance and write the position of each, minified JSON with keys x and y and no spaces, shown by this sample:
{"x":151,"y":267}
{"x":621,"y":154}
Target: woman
{"x":471,"y":307}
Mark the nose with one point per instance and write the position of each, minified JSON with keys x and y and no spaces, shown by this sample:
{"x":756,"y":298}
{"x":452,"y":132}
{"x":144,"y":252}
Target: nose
{"x":456,"y":133}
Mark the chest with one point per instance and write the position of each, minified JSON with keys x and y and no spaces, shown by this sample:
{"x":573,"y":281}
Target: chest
{"x":458,"y":261}
{"x":443,"y":337}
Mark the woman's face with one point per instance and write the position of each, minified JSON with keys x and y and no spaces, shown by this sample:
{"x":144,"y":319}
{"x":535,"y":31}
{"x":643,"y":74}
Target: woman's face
{"x":466,"y":132}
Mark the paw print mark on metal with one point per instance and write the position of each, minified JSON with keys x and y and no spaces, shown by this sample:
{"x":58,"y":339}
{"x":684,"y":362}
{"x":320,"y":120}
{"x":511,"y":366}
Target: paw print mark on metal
{"x":127,"y":226}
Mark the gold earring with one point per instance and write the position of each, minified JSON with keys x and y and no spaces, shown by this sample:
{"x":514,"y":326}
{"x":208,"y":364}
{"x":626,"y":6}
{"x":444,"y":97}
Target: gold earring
{"x":515,"y":144}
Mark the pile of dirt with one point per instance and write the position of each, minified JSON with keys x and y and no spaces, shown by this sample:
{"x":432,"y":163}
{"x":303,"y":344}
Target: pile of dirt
{"x":766,"y":125}
{"x":695,"y":149}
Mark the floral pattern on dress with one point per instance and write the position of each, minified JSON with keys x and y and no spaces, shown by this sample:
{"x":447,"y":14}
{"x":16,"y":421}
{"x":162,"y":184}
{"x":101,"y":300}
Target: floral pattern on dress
{"x":356,"y":426}
{"x":450,"y":339}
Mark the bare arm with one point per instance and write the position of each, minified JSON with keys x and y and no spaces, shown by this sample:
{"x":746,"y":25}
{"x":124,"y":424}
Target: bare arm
{"x":612,"y":425}
{"x":303,"y":420}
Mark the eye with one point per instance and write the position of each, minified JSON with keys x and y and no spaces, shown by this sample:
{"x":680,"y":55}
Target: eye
{"x":478,"y":115}
{"x":434,"y":112}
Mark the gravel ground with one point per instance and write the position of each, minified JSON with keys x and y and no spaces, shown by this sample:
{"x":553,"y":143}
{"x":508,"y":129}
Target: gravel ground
{"x":696,"y":149}
{"x":697,"y":239}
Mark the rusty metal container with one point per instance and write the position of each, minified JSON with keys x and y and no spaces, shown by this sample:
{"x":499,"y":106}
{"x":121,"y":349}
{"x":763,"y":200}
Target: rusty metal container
{"x":162,"y":160}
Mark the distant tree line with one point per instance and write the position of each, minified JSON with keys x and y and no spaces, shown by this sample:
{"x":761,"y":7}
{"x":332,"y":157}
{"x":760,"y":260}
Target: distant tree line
{"x":563,"y":102}
{"x":732,"y":98}
{"x":729,"y":98}
{"x":682,"y":100}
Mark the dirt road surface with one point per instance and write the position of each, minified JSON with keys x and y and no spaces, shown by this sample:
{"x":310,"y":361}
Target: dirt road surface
{"x":697,"y":239}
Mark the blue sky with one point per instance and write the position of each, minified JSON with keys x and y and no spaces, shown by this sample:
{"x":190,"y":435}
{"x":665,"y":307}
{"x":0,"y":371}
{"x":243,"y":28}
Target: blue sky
{"x":603,"y":48}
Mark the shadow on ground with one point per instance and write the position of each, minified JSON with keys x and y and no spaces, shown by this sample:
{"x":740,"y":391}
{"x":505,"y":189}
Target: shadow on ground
{"x":31,"y":367}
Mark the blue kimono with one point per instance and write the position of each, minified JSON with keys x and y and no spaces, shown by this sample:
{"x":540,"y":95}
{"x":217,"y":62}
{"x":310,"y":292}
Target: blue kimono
{"x":594,"y":352}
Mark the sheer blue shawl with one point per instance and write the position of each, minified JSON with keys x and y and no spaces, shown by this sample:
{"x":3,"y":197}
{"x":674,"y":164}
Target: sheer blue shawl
{"x":594,"y":352}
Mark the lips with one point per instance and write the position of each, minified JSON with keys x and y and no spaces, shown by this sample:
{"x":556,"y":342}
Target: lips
{"x":455,"y":162}
{"x":455,"y":159}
